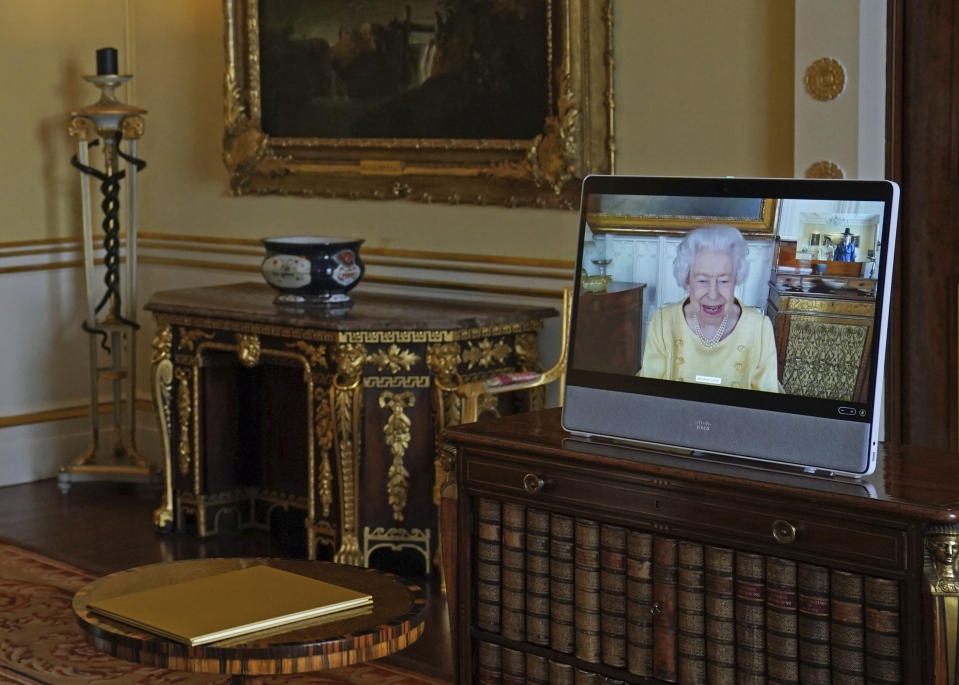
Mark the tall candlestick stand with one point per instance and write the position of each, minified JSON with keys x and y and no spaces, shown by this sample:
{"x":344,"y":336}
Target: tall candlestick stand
{"x":111,"y":315}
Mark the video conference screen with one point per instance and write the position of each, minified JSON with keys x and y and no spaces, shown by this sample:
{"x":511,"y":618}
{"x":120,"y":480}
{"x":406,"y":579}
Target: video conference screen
{"x":773,"y":295}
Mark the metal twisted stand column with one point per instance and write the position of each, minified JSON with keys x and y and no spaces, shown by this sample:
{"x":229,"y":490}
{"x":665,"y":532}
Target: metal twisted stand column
{"x":110,"y":322}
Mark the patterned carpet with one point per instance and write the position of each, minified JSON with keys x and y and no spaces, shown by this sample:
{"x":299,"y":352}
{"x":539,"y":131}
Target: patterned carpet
{"x":40,"y":643}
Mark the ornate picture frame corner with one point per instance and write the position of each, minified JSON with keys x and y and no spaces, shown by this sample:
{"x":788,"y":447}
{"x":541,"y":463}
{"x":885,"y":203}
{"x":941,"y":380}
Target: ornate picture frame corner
{"x":543,"y":169}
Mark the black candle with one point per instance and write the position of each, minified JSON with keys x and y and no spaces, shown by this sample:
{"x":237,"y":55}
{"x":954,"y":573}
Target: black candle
{"x":106,"y":62}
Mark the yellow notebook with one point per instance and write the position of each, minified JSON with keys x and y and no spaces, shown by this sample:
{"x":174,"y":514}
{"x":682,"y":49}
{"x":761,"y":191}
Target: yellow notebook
{"x":229,"y":604}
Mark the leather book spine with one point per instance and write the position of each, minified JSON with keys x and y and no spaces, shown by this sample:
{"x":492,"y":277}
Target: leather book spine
{"x":489,"y":664}
{"x":537,"y":577}
{"x":846,"y":631}
{"x":883,"y":638}
{"x":664,"y":601}
{"x":514,"y":667}
{"x":750,"y":619}
{"x":639,"y":603}
{"x":612,"y":585}
{"x":537,"y":670}
{"x":582,"y":677}
{"x":586,"y":599}
{"x":720,"y":616}
{"x":561,"y":674}
{"x":514,"y":572}
{"x":561,"y":583}
{"x":813,"y":624}
{"x":691,"y":614}
{"x":488,"y":561}
{"x":782,"y":631}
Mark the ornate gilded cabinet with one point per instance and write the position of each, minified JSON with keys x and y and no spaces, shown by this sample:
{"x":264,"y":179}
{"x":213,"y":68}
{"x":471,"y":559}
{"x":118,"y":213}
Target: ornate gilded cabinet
{"x":591,"y":563}
{"x":823,"y":339}
{"x":283,"y":417}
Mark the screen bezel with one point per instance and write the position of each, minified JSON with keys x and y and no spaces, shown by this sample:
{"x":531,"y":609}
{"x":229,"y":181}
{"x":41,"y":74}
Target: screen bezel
{"x":804,"y":189}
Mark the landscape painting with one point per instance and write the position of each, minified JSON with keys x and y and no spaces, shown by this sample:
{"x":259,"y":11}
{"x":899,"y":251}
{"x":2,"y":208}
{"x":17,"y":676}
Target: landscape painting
{"x":505,"y":102}
{"x":461,"y":69}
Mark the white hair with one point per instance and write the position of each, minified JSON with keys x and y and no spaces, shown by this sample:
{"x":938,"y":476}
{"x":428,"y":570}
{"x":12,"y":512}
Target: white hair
{"x":716,"y":238}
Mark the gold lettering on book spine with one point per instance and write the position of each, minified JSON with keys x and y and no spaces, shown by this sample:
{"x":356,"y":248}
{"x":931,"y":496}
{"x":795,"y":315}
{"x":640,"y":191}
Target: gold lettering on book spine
{"x":347,"y":412}
{"x":397,"y":431}
{"x":162,"y":372}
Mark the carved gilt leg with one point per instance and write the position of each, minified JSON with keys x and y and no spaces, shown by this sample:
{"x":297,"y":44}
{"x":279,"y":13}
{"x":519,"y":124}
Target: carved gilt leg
{"x":346,"y":400}
{"x":162,"y":375}
{"x":444,"y":360}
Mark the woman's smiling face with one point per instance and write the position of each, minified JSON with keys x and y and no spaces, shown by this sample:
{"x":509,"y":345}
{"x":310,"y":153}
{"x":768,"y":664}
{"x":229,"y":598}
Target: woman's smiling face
{"x":711,"y":284}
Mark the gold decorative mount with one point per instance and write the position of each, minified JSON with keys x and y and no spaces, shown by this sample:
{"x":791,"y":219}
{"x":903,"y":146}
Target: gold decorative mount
{"x":396,"y":539}
{"x":825,"y":79}
{"x":397,"y":431}
{"x":825,"y":169}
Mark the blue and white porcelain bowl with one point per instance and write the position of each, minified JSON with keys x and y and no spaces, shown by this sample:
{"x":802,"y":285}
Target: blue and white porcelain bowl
{"x":313,"y":270}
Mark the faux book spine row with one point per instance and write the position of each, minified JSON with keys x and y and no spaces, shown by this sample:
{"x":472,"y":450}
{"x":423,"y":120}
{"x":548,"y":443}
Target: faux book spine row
{"x":503,"y":666}
{"x":669,"y":609}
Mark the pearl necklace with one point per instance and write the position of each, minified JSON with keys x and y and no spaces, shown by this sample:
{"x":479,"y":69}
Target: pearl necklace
{"x":710,"y":343}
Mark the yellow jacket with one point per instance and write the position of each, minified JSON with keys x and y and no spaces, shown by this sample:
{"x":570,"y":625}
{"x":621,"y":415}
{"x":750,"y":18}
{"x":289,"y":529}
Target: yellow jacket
{"x":746,"y":358}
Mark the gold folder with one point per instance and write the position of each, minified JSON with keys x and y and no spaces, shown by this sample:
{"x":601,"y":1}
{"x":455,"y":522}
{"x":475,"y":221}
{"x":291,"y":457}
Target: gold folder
{"x":226,"y":605}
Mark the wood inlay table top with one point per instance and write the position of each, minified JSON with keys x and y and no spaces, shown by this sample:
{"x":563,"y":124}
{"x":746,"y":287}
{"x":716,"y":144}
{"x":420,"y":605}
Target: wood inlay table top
{"x":398,"y":618}
{"x":370,"y":311}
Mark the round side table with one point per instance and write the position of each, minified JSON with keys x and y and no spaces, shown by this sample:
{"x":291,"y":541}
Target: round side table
{"x":396,"y":621}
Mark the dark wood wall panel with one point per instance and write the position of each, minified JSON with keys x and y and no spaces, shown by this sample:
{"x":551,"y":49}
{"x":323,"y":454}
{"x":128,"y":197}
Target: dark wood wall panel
{"x":924,"y":408}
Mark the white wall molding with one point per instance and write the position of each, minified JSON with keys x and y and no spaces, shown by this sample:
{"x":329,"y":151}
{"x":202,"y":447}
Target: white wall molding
{"x":848,"y":130}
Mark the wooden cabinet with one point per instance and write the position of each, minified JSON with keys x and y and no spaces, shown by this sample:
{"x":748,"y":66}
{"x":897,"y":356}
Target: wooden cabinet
{"x":583,"y":562}
{"x":320,"y":426}
{"x":610,"y":329}
{"x":823,"y":341}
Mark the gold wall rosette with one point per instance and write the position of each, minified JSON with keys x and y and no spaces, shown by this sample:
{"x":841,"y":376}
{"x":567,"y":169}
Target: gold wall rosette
{"x":825,"y":79}
{"x":824,"y":169}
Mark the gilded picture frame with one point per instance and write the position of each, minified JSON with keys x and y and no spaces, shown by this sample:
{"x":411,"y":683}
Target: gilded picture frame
{"x":755,"y":217}
{"x":542,"y":169}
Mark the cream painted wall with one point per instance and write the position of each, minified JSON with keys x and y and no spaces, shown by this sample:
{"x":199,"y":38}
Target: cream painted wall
{"x":704,"y":88}
{"x":701,"y":88}
{"x":45,"y":47}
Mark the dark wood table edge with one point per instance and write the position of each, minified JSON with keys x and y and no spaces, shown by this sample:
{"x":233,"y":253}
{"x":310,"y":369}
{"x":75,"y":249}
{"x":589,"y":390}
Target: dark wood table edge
{"x":382,"y":640}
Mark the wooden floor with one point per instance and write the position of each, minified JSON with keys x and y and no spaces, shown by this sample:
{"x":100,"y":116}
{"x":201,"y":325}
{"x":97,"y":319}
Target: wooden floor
{"x":105,"y":527}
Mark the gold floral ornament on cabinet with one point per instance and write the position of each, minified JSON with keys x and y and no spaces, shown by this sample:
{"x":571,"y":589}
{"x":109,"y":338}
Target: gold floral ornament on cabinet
{"x":452,"y":101}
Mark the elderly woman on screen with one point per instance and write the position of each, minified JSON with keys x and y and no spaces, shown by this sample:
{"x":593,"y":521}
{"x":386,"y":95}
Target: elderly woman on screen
{"x":710,"y":337}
